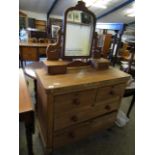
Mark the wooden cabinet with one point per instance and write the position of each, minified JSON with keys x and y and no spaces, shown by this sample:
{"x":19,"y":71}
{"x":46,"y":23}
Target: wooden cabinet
{"x":40,"y":25}
{"x":32,"y":51}
{"x":74,"y":105}
{"x":29,"y":54}
{"x":37,"y":24}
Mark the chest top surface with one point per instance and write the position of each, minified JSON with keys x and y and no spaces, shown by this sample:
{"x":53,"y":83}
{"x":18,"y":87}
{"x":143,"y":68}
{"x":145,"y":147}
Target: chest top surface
{"x":80,"y":78}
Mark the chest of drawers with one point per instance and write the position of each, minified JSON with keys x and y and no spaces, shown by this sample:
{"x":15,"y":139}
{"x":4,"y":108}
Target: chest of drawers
{"x":74,"y":105}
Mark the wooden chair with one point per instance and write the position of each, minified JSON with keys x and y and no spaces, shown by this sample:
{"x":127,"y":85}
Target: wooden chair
{"x":128,"y":63}
{"x":129,"y":68}
{"x":124,"y":54}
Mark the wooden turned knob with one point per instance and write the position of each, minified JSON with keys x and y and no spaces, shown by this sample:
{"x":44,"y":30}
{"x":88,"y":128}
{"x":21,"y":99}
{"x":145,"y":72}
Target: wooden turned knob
{"x":71,"y":134}
{"x":107,"y":107}
{"x":74,"y":118}
{"x":111,"y":92}
{"x":76,"y":101}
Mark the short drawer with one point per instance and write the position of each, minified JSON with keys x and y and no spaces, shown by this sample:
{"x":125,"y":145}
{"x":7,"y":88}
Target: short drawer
{"x":82,"y":130}
{"x":68,"y":102}
{"x":110,"y":92}
{"x":66,"y":119}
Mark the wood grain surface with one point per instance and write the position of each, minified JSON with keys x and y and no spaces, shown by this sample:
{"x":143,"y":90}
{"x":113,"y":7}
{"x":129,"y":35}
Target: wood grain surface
{"x":33,"y":44}
{"x":80,"y":78}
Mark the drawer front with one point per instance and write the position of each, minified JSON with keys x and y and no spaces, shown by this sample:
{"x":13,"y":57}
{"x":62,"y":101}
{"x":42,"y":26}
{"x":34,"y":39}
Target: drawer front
{"x":68,"y":102}
{"x":110,"y":92}
{"x":72,"y":117}
{"x":30,"y":54}
{"x":82,"y":130}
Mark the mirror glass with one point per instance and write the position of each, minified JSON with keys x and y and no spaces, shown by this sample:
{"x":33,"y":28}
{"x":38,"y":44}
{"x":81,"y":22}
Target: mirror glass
{"x":78,"y":34}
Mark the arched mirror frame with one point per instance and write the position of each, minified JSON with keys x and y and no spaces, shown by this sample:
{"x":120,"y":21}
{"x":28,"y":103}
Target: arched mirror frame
{"x":79,"y":7}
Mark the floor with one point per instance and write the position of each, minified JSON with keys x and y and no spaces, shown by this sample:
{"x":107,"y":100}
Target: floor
{"x":115,"y":141}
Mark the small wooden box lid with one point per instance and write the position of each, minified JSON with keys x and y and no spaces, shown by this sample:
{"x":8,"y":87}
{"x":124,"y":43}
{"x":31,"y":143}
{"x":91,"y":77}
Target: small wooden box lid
{"x":55,"y":63}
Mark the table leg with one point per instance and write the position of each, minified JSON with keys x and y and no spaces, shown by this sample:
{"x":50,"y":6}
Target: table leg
{"x":35,"y":92}
{"x":131,"y":105}
{"x":29,"y":138}
{"x":29,"y":126}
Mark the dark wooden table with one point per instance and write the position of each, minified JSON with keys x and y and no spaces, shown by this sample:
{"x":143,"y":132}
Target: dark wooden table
{"x":31,"y":51}
{"x":26,"y":112}
{"x":33,"y":44}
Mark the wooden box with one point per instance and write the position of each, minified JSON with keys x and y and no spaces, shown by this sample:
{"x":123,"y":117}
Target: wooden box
{"x":100,"y":64}
{"x":55,"y":67}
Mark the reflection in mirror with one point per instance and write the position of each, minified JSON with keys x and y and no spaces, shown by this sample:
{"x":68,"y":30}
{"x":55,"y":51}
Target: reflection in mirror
{"x":79,"y":34}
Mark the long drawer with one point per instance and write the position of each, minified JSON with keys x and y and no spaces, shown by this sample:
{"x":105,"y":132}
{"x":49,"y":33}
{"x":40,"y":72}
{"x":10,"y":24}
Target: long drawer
{"x":65,"y":119}
{"x":82,"y":130}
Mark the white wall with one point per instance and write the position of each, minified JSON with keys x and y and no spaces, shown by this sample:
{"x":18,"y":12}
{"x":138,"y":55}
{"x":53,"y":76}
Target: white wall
{"x":39,"y":16}
{"x":56,"y":16}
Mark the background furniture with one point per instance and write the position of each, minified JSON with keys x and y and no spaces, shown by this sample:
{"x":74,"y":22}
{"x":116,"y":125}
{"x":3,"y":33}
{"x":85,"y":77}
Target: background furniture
{"x":27,"y":22}
{"x":31,"y":22}
{"x":123,"y":53}
{"x":66,"y":113}
{"x":32,"y":51}
{"x":118,"y":28}
{"x":129,"y":67}
{"x":36,"y":33}
{"x":26,"y":113}
{"x":106,"y":46}
{"x":40,"y":25}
